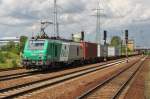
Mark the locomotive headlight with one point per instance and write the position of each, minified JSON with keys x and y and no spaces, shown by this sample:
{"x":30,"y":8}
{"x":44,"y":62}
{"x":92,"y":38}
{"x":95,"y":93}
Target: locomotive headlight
{"x":41,"y":55}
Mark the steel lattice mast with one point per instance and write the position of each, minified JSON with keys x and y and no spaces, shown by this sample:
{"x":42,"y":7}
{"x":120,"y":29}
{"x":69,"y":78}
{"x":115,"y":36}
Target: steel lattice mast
{"x":98,"y":25}
{"x":56,"y":24}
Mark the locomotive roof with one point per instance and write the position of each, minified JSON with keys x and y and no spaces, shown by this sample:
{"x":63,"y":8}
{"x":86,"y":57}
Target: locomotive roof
{"x":63,"y":40}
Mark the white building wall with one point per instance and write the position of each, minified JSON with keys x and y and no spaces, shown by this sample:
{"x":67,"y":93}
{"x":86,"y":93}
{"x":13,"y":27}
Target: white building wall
{"x":6,"y":40}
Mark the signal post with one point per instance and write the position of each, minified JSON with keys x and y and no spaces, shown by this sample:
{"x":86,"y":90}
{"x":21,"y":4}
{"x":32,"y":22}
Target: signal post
{"x":126,"y":40}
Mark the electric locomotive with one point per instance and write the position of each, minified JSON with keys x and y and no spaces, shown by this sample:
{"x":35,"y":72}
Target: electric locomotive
{"x":44,"y":53}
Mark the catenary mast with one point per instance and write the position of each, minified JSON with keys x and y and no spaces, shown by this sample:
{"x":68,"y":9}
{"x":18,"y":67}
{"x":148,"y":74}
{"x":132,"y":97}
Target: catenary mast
{"x":98,"y":23}
{"x":56,"y":24}
{"x":98,"y":10}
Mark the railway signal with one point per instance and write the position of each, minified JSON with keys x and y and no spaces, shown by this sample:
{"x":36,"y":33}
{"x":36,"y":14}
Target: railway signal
{"x":126,"y":39}
{"x":126,"y":35}
{"x":105,"y":35}
{"x":105,"y":50}
{"x":82,"y":35}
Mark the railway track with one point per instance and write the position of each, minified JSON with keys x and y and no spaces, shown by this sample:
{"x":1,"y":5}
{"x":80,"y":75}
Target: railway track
{"x":18,"y":75}
{"x":10,"y":76}
{"x":22,"y":74}
{"x":9,"y":69}
{"x":112,"y":87}
{"x":24,"y":89}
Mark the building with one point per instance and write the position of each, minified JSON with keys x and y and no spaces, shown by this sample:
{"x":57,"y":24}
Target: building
{"x":78,"y":37}
{"x":6,"y":40}
{"x":131,"y":45}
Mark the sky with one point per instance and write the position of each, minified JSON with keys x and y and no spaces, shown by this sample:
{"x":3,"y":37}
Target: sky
{"x":22,"y":17}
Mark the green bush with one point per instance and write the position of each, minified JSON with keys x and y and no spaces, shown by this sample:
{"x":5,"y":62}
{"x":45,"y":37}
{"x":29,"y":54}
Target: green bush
{"x":14,"y":63}
{"x":7,"y":54}
{"x":2,"y":58}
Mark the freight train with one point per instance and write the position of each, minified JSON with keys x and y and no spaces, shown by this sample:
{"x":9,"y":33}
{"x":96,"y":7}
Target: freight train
{"x":47,"y":53}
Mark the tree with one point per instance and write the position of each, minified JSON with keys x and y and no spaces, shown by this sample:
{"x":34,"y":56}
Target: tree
{"x":116,"y":41}
{"x":23,"y":40}
{"x":11,"y":47}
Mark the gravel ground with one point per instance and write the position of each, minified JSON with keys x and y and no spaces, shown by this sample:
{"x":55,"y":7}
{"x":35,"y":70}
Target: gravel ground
{"x":136,"y":90}
{"x":147,"y":82}
{"x":73,"y":88}
{"x":108,"y":90}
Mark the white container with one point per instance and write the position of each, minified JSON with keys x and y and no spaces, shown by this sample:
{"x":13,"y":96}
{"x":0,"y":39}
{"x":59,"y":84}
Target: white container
{"x":113,"y":51}
{"x":102,"y":50}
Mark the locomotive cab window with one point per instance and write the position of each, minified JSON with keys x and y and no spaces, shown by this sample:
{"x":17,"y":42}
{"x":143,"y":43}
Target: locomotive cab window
{"x":36,"y":44}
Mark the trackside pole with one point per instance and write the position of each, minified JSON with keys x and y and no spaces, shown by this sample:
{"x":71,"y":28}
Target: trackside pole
{"x":126,"y":39}
{"x":105,"y":49}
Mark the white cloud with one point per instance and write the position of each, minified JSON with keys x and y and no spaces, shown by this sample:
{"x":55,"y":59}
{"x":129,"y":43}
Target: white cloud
{"x":22,"y":16}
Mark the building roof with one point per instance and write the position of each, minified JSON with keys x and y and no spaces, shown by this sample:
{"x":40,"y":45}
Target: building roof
{"x":9,"y":38}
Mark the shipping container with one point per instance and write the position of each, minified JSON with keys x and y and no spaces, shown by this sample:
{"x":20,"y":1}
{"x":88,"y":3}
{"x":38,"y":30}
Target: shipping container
{"x":102,"y":50}
{"x":113,"y":51}
{"x":89,"y":50}
{"x":75,"y":52}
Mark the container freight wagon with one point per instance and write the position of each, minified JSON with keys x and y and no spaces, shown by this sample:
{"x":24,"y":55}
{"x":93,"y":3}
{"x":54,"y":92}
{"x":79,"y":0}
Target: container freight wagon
{"x":89,"y":51}
{"x":113,"y":52}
